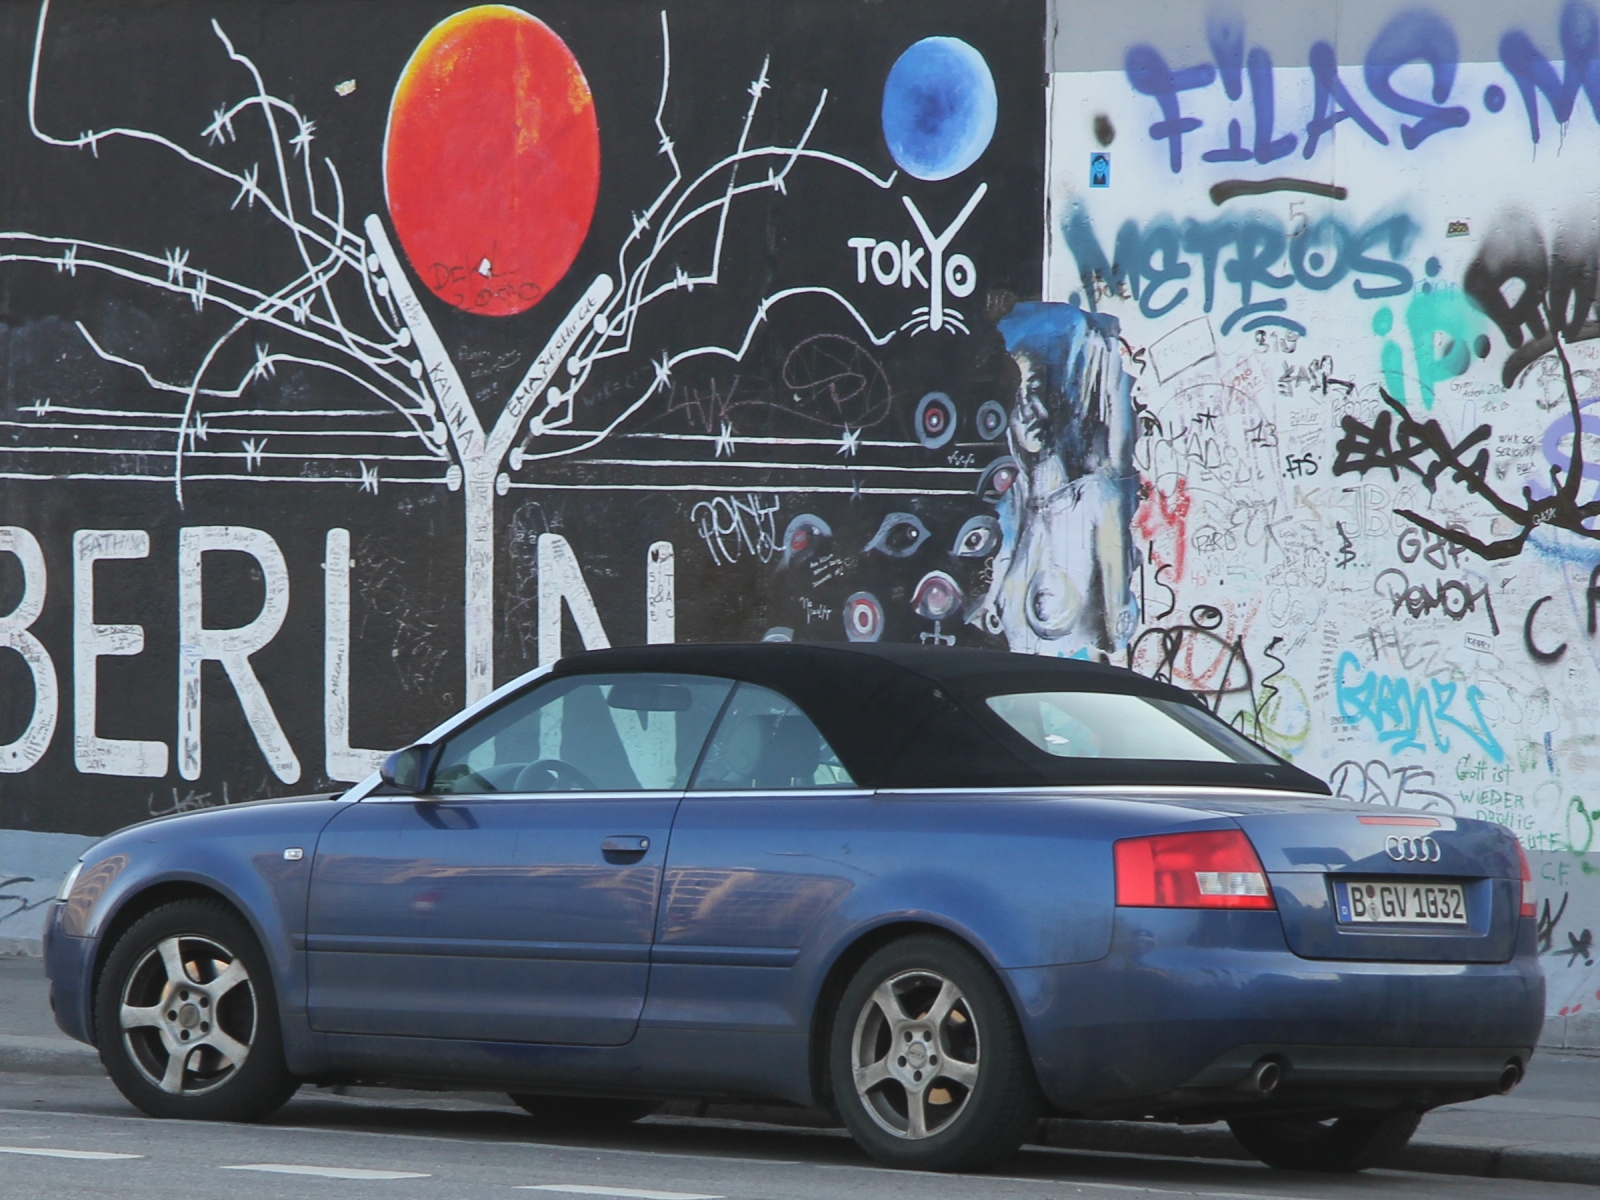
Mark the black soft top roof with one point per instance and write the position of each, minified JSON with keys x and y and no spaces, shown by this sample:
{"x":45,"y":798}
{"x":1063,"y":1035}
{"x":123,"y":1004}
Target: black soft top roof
{"x":903,"y":716}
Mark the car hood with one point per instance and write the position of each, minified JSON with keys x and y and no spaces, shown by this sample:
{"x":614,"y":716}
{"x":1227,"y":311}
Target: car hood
{"x":309,"y":812}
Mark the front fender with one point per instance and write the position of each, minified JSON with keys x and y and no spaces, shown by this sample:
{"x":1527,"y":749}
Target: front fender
{"x":236,"y":853}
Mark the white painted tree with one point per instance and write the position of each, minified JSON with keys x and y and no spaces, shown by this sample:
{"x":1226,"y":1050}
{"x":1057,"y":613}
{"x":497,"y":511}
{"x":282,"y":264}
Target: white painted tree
{"x":351,"y":312}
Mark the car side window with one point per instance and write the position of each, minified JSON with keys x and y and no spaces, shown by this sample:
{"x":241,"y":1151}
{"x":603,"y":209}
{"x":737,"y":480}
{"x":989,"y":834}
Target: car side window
{"x":764,"y":741}
{"x":585,"y":733}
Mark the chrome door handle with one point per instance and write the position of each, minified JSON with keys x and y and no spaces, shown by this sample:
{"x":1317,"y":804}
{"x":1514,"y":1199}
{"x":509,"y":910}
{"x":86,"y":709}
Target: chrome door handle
{"x":625,"y":844}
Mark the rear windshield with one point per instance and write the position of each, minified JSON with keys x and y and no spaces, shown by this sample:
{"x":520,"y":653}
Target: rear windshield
{"x":1109,"y":725}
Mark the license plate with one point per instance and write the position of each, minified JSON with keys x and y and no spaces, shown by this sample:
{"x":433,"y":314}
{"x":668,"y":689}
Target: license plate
{"x":1400,"y":902}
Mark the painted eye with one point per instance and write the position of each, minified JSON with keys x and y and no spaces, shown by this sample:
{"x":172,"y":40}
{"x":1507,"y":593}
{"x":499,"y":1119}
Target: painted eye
{"x":938,"y":597}
{"x":935,"y":420}
{"x":978,"y":537}
{"x":997,"y":479}
{"x":991,"y":420}
{"x":863,"y":618}
{"x":900,"y":535}
{"x":802,"y":537}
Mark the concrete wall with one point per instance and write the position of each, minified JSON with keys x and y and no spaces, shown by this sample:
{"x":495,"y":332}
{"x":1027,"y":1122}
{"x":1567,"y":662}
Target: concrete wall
{"x":1244,"y":347}
{"x":1353,"y":250}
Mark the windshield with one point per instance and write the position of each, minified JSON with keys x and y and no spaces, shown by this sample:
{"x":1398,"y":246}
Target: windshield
{"x":1110,"y":725}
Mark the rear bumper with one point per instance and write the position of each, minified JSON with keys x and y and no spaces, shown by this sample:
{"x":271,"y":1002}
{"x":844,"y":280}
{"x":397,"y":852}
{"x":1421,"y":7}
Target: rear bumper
{"x":1171,"y":1021}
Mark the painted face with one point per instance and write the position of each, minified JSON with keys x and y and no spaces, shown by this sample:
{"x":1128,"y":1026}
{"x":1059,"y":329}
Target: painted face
{"x":1031,"y":413}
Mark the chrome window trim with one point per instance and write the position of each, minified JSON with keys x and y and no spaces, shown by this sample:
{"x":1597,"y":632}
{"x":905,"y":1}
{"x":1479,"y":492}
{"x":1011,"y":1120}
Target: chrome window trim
{"x":776,"y":793}
{"x":1112,"y":789}
{"x":483,"y":797}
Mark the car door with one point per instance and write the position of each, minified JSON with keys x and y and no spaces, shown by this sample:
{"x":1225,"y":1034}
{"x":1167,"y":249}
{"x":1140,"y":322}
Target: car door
{"x":516,"y":899}
{"x":754,"y":869}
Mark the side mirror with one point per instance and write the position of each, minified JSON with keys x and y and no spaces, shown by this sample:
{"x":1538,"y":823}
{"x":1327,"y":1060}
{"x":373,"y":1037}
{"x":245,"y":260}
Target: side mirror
{"x":403,"y":769}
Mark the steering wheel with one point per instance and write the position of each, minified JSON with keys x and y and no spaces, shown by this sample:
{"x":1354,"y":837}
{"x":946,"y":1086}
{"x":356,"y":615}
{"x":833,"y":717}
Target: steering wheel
{"x":553,"y":775}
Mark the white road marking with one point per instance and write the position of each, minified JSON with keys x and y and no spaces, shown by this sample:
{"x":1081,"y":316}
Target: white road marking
{"x":47,"y":1152}
{"x":425,"y":1137}
{"x":327,"y":1172}
{"x":722,"y":1158}
{"x":585,"y":1189}
{"x":1095,"y":1184}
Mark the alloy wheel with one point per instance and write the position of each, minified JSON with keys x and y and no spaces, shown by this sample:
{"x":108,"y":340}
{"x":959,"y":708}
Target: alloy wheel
{"x":915,"y":1054}
{"x":188,"y":1015}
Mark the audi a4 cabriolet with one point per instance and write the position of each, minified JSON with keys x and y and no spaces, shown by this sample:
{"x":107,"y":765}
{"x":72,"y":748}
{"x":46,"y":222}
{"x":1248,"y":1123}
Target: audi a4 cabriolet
{"x":940,"y":892}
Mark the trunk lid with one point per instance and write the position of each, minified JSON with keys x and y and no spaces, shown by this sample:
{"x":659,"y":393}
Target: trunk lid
{"x":1316,"y":852}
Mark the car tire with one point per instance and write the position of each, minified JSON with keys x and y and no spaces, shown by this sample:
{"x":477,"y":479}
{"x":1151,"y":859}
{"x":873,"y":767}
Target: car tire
{"x":187,"y":1020}
{"x":584,"y":1112}
{"x":1343,"y":1144}
{"x":963,"y":1095}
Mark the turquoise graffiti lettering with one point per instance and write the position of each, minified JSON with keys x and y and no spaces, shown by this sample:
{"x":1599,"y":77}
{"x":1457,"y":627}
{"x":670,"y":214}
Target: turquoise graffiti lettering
{"x":1446,"y":330}
{"x":1160,"y":263}
{"x":1409,"y":716}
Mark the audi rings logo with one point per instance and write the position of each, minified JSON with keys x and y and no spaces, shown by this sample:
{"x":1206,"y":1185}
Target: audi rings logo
{"x":1411,"y":849}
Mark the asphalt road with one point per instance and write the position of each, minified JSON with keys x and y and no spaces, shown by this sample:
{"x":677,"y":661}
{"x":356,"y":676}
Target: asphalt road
{"x":76,"y":1137}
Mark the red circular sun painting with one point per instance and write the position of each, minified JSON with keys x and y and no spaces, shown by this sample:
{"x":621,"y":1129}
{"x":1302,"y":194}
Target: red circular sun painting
{"x":492,"y":159}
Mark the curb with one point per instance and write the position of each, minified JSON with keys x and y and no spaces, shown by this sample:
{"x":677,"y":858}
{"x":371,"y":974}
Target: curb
{"x":48,"y":1056}
{"x":1545,"y":1162}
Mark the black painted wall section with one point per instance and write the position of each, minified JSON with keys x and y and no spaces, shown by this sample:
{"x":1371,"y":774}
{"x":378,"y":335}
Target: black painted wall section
{"x":122,"y":257}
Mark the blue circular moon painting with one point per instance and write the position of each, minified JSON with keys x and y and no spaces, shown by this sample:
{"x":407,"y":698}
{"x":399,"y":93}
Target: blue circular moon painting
{"x":939,"y":108}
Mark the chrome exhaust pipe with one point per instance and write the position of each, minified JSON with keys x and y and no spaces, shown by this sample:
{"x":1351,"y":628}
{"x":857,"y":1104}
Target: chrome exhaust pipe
{"x":1264,"y":1077}
{"x":1510,"y":1076}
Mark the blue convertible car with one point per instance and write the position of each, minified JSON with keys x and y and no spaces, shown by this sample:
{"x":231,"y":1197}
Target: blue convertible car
{"x":942,"y":892}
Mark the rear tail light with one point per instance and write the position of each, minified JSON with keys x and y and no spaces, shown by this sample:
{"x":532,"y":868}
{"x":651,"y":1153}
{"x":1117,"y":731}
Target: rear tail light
{"x":1212,"y":869}
{"x":1528,"y":900}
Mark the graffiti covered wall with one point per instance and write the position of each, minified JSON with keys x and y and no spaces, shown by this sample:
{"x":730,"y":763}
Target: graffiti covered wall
{"x":1354,"y":268}
{"x":353,"y":364}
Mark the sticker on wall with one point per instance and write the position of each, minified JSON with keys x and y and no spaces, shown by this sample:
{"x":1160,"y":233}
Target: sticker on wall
{"x":1099,"y":170}
{"x":491,"y":160}
{"x":939,"y":108}
{"x":1457,"y":229}
{"x":1186,"y":346}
